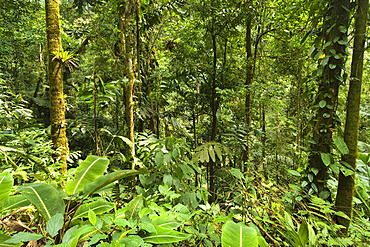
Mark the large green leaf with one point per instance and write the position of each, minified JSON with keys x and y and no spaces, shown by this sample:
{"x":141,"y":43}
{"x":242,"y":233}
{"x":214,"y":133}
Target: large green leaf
{"x":23,"y":237}
{"x":6,"y":184}
{"x":87,"y":172}
{"x":103,"y":181}
{"x":54,"y":224}
{"x":165,"y":236}
{"x":15,"y":201}
{"x":234,"y":235}
{"x":340,"y":144}
{"x":44,"y":197}
{"x":3,"y":238}
{"x":99,"y":207}
{"x":166,"y":222}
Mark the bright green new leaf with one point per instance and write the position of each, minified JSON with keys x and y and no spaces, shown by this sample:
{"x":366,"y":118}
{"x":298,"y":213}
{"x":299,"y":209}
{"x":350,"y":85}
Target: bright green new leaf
{"x":54,"y":224}
{"x":87,"y":172}
{"x":238,"y":235}
{"x":6,"y":184}
{"x":44,"y":197}
{"x":165,"y":236}
{"x":92,"y":217}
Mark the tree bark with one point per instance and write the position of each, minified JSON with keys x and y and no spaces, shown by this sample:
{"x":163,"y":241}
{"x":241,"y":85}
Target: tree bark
{"x":346,"y":184}
{"x":55,"y":77}
{"x":127,"y":41}
{"x":248,"y":84}
{"x":328,"y":89}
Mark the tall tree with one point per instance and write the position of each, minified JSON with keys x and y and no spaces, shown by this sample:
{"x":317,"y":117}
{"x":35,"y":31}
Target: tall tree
{"x":330,"y":78}
{"x":346,"y":184}
{"x":55,"y":77}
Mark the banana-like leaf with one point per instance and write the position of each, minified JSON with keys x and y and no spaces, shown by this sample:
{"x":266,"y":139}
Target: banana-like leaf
{"x":87,"y":172}
{"x":6,"y":184}
{"x":44,"y":197}
{"x":15,"y":201}
{"x":103,"y":181}
{"x":234,"y":235}
{"x":165,"y":236}
{"x":99,"y":207}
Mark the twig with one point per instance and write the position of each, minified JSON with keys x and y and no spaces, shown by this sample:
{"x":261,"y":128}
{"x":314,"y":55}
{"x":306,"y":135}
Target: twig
{"x":264,"y":231}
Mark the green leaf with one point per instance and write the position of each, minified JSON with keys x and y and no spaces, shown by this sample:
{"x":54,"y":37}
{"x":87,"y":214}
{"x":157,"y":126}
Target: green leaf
{"x":332,"y":66}
{"x":166,"y":222}
{"x":342,"y":29}
{"x":334,"y":168}
{"x":218,"y":152}
{"x":92,"y":217}
{"x":234,"y":235}
{"x":87,"y":172}
{"x":322,"y":103}
{"x":134,"y":207}
{"x":99,"y":207}
{"x":3,"y":238}
{"x":212,"y":153}
{"x":167,"y":179}
{"x":103,"y":181}
{"x":54,"y":224}
{"x":165,"y":236}
{"x":340,"y":144}
{"x":325,"y":61}
{"x":44,"y":197}
{"x":303,"y":233}
{"x":6,"y":184}
{"x":23,"y":237}
{"x":325,"y":158}
{"x":159,"y":158}
{"x":294,"y":173}
{"x":15,"y":201}
{"x":312,"y":240}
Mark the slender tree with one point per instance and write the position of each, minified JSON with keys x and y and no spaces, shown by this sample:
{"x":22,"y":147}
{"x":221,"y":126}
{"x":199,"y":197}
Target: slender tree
{"x":128,"y":38}
{"x":55,"y":77}
{"x":346,"y":184}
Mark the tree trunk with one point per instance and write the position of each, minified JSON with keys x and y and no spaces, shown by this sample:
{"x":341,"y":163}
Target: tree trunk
{"x":214,"y":107}
{"x":248,"y":84}
{"x":55,"y":77}
{"x":328,"y":90}
{"x":346,"y":184}
{"x":127,"y":41}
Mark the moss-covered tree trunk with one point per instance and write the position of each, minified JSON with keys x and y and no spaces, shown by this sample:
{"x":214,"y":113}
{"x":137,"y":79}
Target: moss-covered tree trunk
{"x":334,"y":30}
{"x":55,"y":77}
{"x":346,"y":184}
{"x":126,"y":23}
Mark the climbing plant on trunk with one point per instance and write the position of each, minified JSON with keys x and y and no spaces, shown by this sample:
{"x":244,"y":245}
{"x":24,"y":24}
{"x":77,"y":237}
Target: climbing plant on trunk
{"x":331,"y":58}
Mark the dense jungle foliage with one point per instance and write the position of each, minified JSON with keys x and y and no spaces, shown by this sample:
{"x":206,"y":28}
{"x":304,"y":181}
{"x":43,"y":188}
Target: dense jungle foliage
{"x":184,"y":123}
